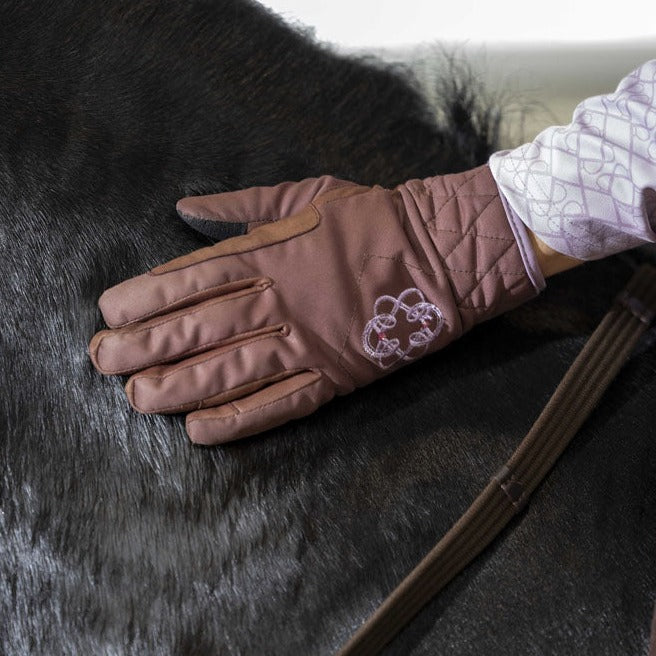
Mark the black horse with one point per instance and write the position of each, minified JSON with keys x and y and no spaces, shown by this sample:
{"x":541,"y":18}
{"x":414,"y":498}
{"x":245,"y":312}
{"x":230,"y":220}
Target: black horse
{"x":117,"y":536}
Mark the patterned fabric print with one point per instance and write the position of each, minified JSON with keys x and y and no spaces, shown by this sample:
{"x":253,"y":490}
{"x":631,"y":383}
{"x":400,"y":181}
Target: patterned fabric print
{"x":423,"y":319}
{"x":587,"y":189}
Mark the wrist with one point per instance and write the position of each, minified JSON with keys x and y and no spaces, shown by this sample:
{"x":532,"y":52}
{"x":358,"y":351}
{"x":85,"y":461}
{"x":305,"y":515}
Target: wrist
{"x":549,"y":260}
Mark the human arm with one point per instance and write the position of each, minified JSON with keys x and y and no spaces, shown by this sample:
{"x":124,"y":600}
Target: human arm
{"x":266,"y":327}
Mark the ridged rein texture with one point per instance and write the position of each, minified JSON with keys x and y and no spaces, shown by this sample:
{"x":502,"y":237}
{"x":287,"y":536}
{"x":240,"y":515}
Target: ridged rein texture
{"x":266,"y":327}
{"x":509,"y":489}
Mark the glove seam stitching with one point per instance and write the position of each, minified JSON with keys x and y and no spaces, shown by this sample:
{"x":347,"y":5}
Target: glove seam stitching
{"x":152,"y":313}
{"x":468,"y":293}
{"x":340,"y":358}
{"x":247,"y":291}
{"x":454,"y":194}
{"x":478,"y":234}
{"x":264,"y":405}
{"x":180,"y":406}
{"x":270,"y":330}
{"x":216,"y":355}
{"x":471,"y":226}
{"x":136,"y":378}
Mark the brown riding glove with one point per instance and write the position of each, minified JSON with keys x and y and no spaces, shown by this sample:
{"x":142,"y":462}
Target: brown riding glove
{"x":352,"y":283}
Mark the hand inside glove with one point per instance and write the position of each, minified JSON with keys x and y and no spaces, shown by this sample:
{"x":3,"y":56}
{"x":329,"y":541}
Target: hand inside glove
{"x":351,"y":283}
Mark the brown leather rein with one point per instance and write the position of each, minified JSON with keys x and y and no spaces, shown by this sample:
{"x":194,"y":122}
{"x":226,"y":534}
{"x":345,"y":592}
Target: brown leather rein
{"x":509,"y":489}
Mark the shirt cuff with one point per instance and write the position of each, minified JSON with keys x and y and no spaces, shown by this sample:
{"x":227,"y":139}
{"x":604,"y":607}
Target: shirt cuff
{"x":525,"y":247}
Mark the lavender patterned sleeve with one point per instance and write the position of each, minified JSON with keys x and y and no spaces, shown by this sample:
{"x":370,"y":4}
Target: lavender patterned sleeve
{"x":588,"y":189}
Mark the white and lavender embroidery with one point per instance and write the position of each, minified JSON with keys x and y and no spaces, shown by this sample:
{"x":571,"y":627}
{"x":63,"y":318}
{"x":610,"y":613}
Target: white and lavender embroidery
{"x":424,"y":319}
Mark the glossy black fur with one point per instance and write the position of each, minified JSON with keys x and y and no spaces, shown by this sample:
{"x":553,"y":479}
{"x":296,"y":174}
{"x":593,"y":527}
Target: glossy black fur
{"x":119,"y":537}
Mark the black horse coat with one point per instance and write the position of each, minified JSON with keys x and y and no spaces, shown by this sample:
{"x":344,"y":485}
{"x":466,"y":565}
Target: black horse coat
{"x":117,"y":536}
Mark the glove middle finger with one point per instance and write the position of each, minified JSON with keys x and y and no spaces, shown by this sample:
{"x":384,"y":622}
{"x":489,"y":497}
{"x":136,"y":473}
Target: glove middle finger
{"x":214,"y":377}
{"x":186,"y":332}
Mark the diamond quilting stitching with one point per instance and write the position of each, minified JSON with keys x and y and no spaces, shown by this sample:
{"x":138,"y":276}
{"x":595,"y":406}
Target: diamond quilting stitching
{"x":465,"y":234}
{"x":463,"y":297}
{"x":447,"y":198}
{"x":462,"y":303}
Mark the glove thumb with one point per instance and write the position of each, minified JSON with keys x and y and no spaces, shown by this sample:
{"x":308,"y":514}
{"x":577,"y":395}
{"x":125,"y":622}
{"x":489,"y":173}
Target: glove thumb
{"x":234,"y":213}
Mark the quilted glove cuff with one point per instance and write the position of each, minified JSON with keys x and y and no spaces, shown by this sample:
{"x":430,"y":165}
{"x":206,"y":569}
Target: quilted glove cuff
{"x":483,"y":250}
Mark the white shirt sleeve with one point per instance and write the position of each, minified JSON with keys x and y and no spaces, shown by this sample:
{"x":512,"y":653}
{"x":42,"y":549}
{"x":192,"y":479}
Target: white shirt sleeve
{"x":588,"y":189}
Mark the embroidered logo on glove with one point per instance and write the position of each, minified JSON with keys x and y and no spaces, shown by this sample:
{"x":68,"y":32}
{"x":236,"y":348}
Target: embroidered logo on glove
{"x":402,"y":328}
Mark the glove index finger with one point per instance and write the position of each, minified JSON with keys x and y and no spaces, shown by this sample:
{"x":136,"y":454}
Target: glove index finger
{"x":146,"y":296}
{"x":226,"y":267}
{"x":199,"y":275}
{"x":233,"y":213}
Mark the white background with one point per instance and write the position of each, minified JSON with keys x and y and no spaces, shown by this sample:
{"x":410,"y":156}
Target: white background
{"x":547,"y":56}
{"x":361,"y":23}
